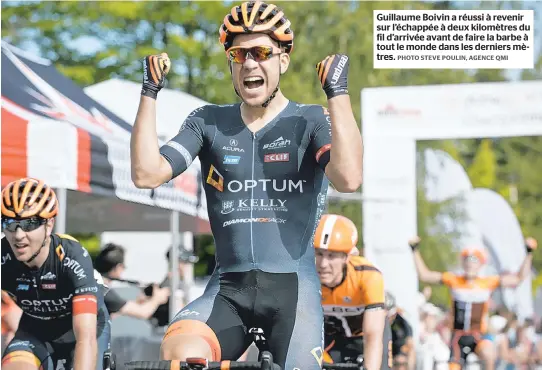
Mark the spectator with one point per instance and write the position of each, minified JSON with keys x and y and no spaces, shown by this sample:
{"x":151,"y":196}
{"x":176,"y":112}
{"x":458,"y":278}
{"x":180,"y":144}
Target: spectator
{"x":434,"y":352}
{"x":110,"y":264}
{"x":161,"y":315}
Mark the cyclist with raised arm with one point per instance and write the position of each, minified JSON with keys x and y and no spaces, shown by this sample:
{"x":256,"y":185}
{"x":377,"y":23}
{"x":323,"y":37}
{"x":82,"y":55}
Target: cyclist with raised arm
{"x":352,"y":297}
{"x":470,"y":299}
{"x":51,"y":278}
{"x":404,"y":355}
{"x":265,"y":167}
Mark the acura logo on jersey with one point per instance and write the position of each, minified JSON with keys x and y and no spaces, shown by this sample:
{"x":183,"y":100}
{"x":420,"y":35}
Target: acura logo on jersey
{"x":233,"y":146}
{"x":233,"y":149}
{"x":278,"y":143}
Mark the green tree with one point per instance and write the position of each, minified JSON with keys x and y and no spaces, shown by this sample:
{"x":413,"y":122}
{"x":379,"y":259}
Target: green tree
{"x":482,"y":171}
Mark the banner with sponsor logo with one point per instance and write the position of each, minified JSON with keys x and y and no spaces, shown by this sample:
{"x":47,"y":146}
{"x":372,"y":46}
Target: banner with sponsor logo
{"x":393,"y":119}
{"x":53,"y":131}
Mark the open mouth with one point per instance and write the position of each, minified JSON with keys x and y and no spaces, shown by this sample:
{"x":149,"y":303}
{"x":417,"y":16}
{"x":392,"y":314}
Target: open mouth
{"x":252,"y":82}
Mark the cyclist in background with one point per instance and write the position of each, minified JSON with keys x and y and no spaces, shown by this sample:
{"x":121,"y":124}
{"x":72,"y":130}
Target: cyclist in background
{"x":51,"y":278}
{"x":110,"y":264}
{"x":352,"y":297}
{"x":404,"y":355}
{"x":471,"y":293}
{"x":267,"y":163}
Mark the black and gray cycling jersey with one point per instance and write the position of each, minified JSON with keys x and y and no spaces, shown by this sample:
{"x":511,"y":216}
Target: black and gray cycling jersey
{"x":265,"y":190}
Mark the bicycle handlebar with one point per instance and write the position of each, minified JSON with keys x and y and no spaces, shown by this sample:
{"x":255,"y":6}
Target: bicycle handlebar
{"x":182,"y":365}
{"x":328,"y":366}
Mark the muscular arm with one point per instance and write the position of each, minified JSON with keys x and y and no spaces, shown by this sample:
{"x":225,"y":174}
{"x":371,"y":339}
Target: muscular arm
{"x":143,"y":310}
{"x":513,"y":280}
{"x":149,"y":168}
{"x":345,"y":167}
{"x":373,"y":332}
{"x":86,"y":346}
{"x":424,"y":274}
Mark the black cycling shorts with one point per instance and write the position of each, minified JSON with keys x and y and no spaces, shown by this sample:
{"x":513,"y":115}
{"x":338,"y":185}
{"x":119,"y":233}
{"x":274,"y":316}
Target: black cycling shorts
{"x":284,"y":307}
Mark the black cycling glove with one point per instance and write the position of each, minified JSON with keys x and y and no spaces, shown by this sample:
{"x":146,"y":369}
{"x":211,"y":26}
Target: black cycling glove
{"x":333,"y":75}
{"x":155,"y":69}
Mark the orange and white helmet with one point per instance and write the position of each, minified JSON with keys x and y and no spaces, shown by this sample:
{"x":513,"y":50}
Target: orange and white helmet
{"x":336,"y":233}
{"x":257,"y":17}
{"x":28,"y":197}
{"x":477,"y":252}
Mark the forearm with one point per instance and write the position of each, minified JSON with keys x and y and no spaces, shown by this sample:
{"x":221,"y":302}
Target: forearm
{"x":372,"y":351}
{"x":411,"y":358}
{"x":525,"y":267}
{"x":419,"y":263}
{"x":345,"y":167}
{"x":142,"y":310}
{"x":86,"y":352}
{"x":144,"y":148}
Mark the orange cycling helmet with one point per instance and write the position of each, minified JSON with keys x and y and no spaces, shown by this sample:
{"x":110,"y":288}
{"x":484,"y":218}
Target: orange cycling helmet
{"x":257,"y":17}
{"x":27,"y":197}
{"x":336,"y":233}
{"x":479,"y":253}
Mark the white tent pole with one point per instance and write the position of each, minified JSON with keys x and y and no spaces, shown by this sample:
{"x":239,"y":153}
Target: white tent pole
{"x":60,"y":222}
{"x":174,"y":262}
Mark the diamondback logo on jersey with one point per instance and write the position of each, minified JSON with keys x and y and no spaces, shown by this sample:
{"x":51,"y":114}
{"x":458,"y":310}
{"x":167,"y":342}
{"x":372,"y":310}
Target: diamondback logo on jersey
{"x":251,"y":220}
{"x":278,"y":143}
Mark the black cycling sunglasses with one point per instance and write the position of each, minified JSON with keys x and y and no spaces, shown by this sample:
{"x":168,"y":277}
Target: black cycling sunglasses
{"x":28,"y":224}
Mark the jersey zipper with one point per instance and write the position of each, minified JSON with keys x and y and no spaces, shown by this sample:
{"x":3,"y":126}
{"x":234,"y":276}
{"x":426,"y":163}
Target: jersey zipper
{"x":252,"y":197}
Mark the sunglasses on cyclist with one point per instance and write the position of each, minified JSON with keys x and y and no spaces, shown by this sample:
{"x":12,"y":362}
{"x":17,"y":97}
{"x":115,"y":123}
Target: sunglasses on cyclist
{"x":28,"y":224}
{"x":238,"y":54}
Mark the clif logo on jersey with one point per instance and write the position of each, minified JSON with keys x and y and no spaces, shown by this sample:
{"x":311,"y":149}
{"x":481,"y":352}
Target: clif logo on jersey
{"x":276,"y":157}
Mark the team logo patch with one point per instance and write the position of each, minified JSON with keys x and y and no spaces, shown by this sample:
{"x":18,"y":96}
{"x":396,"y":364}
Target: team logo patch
{"x":277,"y":157}
{"x":215,"y":179}
{"x":231,"y":159}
